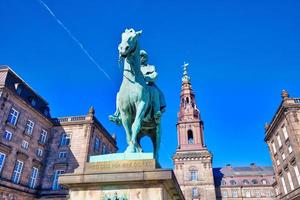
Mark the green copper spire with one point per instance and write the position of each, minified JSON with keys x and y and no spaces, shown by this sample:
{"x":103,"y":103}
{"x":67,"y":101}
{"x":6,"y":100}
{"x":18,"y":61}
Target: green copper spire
{"x":185,"y":77}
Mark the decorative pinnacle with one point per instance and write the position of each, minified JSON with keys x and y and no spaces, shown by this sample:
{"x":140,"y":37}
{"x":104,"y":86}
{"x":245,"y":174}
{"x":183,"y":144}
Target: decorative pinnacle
{"x":185,"y":77}
{"x":284,"y":94}
{"x":91,"y":110}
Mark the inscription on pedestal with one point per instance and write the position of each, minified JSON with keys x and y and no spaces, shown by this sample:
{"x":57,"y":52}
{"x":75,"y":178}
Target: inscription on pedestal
{"x":120,"y":166}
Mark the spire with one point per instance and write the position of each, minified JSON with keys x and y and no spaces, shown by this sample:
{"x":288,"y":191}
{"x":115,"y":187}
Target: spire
{"x":185,"y":77}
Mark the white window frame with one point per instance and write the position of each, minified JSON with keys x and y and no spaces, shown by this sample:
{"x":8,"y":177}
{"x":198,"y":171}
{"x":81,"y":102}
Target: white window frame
{"x":283,"y":156}
{"x":195,"y":192}
{"x":284,"y":185}
{"x":33,"y":177}
{"x":62,"y":154}
{"x":194,"y":175}
{"x":2,"y":160}
{"x":285,"y":133}
{"x":247,"y":193}
{"x":13,"y":116}
{"x":297,"y":174}
{"x":290,"y":181}
{"x":6,"y":132}
{"x":290,"y":149}
{"x":234,"y":193}
{"x":224,"y":193}
{"x":17,"y":172}
{"x":43,"y":136}
{"x":65,"y":139}
{"x":55,"y":185}
{"x":29,"y":127}
{"x":39,"y":152}
{"x":274,"y":147}
{"x":25,"y":145}
{"x":279,"y":140}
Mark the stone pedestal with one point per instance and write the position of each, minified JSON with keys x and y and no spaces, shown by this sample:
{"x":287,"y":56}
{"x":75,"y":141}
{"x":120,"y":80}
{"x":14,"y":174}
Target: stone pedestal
{"x":123,"y":180}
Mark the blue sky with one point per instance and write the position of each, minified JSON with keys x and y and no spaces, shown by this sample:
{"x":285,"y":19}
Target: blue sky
{"x":241,"y":55}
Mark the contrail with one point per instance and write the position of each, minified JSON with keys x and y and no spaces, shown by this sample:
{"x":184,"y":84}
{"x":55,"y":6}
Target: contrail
{"x":74,"y":38}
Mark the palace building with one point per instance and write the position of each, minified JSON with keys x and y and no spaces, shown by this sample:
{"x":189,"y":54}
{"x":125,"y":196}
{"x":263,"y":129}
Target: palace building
{"x":193,"y":161}
{"x":36,"y":148}
{"x":283,"y":139}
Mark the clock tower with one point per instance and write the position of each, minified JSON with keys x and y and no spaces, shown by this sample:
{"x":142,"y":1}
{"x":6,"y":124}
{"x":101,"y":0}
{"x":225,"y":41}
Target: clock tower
{"x":192,"y":160}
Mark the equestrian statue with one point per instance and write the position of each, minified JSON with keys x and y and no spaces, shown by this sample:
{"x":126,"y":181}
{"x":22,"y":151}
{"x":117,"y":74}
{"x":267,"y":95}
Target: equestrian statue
{"x":140,"y":103}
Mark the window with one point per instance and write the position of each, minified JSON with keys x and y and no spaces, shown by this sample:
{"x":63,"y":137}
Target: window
{"x":190,"y":137}
{"x":65,"y":139}
{"x":13,"y":116}
{"x":234,"y":193}
{"x":195,"y":192}
{"x":2,"y":160}
{"x":274,"y":147}
{"x":33,"y":102}
{"x":62,"y":154}
{"x":277,"y":162}
{"x":285,"y":133}
{"x":194,"y":175}
{"x":17,"y":172}
{"x":29,"y":127}
{"x":104,"y":149}
{"x":224,"y":194}
{"x":246,"y":182}
{"x":55,"y":185}
{"x":264,"y":182}
{"x":43,"y":137}
{"x":33,"y":177}
{"x":283,"y":156}
{"x":290,"y":180}
{"x":279,"y":141}
{"x":223,"y":182}
{"x":283,"y":184}
{"x":25,"y":145}
{"x":254,"y":182}
{"x":256,"y":193}
{"x":232,"y":182}
{"x":290,"y":149}
{"x":7,"y":135}
{"x":297,"y":173}
{"x":39,"y":152}
{"x":97,"y":145}
{"x":247,"y":193}
{"x":19,"y":90}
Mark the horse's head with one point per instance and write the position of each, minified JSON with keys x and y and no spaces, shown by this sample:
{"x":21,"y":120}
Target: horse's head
{"x":129,"y":42}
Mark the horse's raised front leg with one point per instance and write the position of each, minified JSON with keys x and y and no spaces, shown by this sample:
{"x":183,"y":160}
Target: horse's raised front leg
{"x":136,"y":126}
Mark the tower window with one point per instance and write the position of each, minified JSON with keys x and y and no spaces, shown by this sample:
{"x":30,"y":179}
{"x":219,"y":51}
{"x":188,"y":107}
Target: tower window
{"x":190,"y":137}
{"x":187,"y":100}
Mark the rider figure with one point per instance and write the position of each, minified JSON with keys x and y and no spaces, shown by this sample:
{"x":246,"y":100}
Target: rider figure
{"x":157,"y":98}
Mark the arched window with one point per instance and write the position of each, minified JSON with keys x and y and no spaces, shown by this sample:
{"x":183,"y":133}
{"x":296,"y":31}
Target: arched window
{"x":187,"y":100}
{"x":264,"y":182}
{"x":254,"y":182}
{"x":232,"y":182}
{"x":194,"y":175}
{"x":246,"y":182}
{"x":195,"y":192}
{"x":190,"y":137}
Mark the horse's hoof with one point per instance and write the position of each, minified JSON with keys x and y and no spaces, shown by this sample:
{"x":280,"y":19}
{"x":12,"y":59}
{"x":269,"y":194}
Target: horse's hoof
{"x":115,"y":119}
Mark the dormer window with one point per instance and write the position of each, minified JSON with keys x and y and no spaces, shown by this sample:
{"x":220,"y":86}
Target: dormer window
{"x":33,"y":102}
{"x":18,"y":88}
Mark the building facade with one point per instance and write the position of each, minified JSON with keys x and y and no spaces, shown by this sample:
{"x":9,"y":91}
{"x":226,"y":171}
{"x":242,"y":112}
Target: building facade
{"x":193,"y":162}
{"x":251,"y":182}
{"x":283,"y":139}
{"x":36,"y":148}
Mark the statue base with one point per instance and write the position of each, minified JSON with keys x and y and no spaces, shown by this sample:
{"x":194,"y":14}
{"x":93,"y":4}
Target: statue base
{"x":123,"y":179}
